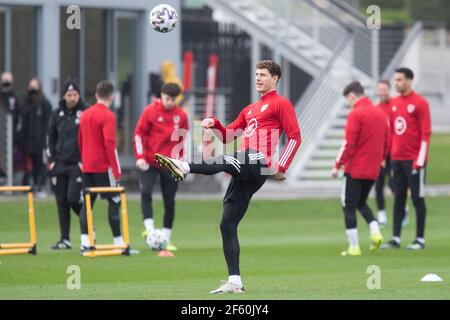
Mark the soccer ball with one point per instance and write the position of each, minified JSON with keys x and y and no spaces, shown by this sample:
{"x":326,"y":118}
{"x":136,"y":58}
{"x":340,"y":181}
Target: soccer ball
{"x":156,"y":240}
{"x":163,"y":18}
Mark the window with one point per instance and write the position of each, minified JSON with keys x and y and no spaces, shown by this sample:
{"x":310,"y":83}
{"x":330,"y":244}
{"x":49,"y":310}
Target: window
{"x":70,"y":50}
{"x":23,"y":46}
{"x":94,"y":51}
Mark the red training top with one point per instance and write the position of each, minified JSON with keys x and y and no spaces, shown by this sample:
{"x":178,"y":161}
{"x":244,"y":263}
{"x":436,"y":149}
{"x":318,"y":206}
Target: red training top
{"x":262,"y":124}
{"x":411,"y":129}
{"x":97,"y":141}
{"x":160,"y":131}
{"x":366,"y":141}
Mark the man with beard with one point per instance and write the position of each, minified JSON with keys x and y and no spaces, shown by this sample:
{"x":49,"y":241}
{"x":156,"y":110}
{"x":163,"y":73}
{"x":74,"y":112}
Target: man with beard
{"x":65,"y":160}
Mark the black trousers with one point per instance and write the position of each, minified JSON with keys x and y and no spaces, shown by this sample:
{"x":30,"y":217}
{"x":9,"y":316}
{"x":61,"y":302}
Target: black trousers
{"x":67,"y":182}
{"x":39,"y":171}
{"x":102,"y":180}
{"x":405,"y":178}
{"x":355,"y":193}
{"x":248,"y":177}
{"x":169,"y":189}
{"x":381,"y":181}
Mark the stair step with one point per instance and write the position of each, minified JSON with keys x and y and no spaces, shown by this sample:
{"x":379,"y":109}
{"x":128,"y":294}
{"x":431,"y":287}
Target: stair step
{"x":339,"y":122}
{"x":336,"y":133}
{"x":326,"y":154}
{"x":331,"y":143}
{"x":320,"y":164}
{"x":315,"y":174}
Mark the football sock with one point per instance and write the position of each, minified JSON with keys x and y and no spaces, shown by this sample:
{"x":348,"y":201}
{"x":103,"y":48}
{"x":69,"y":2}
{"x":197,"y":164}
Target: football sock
{"x":374,"y":228}
{"x":118,"y":241}
{"x":352,"y":236}
{"x":85,"y":240}
{"x":235,"y":280}
{"x":167,"y":233}
{"x":149,"y":225}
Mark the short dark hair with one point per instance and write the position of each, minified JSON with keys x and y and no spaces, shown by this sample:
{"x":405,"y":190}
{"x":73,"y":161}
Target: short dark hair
{"x":386,"y":82}
{"x":171,"y":89}
{"x":273,"y":67}
{"x":104,"y":89}
{"x":354,"y":87}
{"x":409,"y":74}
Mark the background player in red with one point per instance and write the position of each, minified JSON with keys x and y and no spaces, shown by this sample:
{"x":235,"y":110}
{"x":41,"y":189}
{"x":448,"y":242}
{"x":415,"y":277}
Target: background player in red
{"x":385,"y":100}
{"x":365,"y":148}
{"x":155,"y":133}
{"x":411,"y":123}
{"x":100,"y":163}
{"x":261,"y":125}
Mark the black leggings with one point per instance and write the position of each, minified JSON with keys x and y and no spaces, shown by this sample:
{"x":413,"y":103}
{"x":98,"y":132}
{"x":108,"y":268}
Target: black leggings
{"x":246,"y":181}
{"x":404,"y":178}
{"x":379,"y":185}
{"x":169,"y":189}
{"x":354,"y":197}
{"x":102,"y":180}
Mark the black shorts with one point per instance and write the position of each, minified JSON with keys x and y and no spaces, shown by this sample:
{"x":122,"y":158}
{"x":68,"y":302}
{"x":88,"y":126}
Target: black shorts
{"x":252,"y":176}
{"x":104,"y":179}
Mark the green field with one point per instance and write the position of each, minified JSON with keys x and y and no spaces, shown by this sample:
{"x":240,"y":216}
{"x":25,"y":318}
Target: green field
{"x":438,"y":171}
{"x":289,"y":250}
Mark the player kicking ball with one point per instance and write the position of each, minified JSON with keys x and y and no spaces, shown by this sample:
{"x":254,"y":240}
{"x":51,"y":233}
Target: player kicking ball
{"x":261,"y":123}
{"x":366,"y":147}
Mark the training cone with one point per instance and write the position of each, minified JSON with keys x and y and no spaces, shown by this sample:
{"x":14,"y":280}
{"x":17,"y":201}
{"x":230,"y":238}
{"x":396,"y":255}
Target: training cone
{"x":431,"y":278}
{"x":165,"y":253}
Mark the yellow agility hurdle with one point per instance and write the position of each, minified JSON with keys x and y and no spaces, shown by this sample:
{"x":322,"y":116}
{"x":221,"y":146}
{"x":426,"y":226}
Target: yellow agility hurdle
{"x":107,"y":249}
{"x":28,"y":247}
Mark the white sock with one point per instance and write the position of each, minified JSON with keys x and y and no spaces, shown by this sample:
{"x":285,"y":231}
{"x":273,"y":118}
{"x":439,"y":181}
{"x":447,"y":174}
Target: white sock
{"x":396,"y":239}
{"x":118,"y":241}
{"x":235,"y":280}
{"x":167,"y":233}
{"x":85,"y":240}
{"x":382,"y":215}
{"x":149,"y":224}
{"x":374,"y":228}
{"x":185,"y":166}
{"x":421,"y":240}
{"x":352,"y":236}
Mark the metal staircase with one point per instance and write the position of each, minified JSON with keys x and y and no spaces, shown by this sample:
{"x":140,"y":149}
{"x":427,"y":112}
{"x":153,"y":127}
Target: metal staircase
{"x":330,"y":40}
{"x":293,"y":37}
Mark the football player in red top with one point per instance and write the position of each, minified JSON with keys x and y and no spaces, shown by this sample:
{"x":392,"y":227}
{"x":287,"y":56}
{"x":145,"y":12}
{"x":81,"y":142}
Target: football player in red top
{"x":261,"y":124}
{"x":385,"y":103}
{"x":161,"y":127}
{"x":365,"y":148}
{"x":99,"y":159}
{"x":411,"y":132}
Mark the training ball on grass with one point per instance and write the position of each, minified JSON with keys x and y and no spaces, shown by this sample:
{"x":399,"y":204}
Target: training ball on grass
{"x":163,"y":18}
{"x":156,"y":240}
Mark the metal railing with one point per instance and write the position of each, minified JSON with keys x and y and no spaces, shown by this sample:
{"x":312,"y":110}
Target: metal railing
{"x":408,"y":55}
{"x":322,"y":101}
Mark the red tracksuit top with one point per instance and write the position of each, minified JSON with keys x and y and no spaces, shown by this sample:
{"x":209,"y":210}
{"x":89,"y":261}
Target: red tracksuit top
{"x":386,"y":107}
{"x":97,"y":141}
{"x":411,"y":129}
{"x":366,"y":141}
{"x":262,"y":124}
{"x":160,"y":131}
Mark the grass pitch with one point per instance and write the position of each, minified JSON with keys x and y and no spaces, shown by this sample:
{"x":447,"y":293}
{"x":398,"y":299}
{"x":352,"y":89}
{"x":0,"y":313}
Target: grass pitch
{"x":289,"y":250}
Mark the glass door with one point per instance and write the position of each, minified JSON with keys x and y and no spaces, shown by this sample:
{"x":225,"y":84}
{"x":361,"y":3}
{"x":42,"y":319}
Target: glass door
{"x":125,"y":55}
